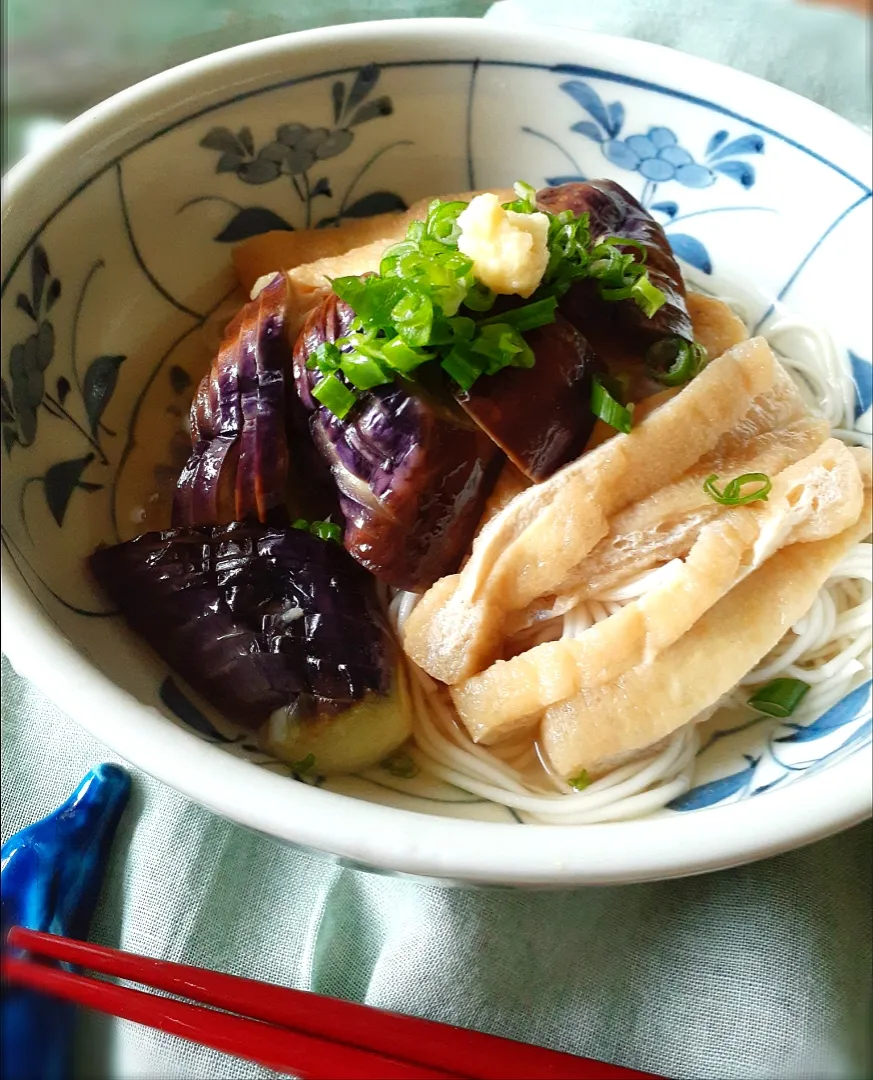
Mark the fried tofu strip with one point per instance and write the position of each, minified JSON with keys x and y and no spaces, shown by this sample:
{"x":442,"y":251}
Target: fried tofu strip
{"x":529,"y":549}
{"x":602,"y":726}
{"x":664,"y":525}
{"x":816,"y":498}
{"x":715,"y":326}
{"x":282,"y":250}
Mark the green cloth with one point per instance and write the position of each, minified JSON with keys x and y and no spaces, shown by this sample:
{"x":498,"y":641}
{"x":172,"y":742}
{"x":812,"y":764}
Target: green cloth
{"x":761,"y":972}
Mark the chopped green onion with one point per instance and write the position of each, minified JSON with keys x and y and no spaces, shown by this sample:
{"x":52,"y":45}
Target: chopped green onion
{"x":326,"y":530}
{"x":461,"y":328}
{"x":334,"y":395}
{"x":611,"y":267}
{"x":442,"y":222}
{"x":581,"y":781}
{"x":622,"y":276}
{"x":371,"y":298}
{"x":413,"y":318}
{"x":623,"y":241}
{"x":529,"y":317}
{"x":648,"y":297}
{"x":525,"y":191}
{"x":610,"y":411}
{"x":306,"y":765}
{"x":326,"y":358}
{"x":569,"y":242}
{"x":462,"y":367}
{"x":779,"y":697}
{"x":479,"y":297}
{"x":364,"y":372}
{"x":400,"y":764}
{"x":402,"y":358}
{"x":502,"y":346}
{"x":673,"y":361}
{"x":732,"y":494}
{"x":525,"y":201}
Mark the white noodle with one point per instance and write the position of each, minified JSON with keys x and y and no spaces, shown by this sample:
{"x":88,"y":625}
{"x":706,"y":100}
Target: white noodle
{"x":830,"y":648}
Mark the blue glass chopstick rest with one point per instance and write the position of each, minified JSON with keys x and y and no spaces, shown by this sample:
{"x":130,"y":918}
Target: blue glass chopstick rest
{"x":50,"y":880}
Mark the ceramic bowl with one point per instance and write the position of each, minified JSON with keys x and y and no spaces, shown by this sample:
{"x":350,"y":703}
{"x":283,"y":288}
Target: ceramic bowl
{"x":116,"y":246}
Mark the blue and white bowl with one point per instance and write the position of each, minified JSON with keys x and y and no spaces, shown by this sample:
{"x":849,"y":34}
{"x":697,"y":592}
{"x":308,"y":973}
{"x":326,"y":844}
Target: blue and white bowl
{"x":116,"y":246}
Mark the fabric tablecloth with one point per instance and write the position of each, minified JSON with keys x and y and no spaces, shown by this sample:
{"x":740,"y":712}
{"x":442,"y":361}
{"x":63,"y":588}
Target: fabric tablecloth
{"x":761,"y":972}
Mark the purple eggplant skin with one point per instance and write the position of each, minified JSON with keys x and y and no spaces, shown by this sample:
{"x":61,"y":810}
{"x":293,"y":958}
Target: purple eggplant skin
{"x":329,"y":321}
{"x":238,"y":469}
{"x":254,"y":617}
{"x":412,"y":471}
{"x":541,"y":416}
{"x":618,"y":331}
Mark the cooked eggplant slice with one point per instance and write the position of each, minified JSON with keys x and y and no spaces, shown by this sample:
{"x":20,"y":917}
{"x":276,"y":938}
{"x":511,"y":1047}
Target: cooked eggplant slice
{"x":357,"y":738}
{"x":238,"y":468}
{"x":618,"y":330}
{"x":541,"y":416}
{"x":255,"y":618}
{"x":412,"y":471}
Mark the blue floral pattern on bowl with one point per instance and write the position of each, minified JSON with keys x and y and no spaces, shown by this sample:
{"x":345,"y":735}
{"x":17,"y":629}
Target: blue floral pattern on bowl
{"x":659,"y":158}
{"x":294,"y":152}
{"x":266,"y":160}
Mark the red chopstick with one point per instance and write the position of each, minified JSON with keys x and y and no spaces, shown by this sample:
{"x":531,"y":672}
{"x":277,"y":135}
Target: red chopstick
{"x":284,"y":1029}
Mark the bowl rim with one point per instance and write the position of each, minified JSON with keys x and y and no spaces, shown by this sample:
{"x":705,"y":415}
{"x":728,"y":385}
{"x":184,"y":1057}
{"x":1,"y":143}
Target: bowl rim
{"x":382,"y":837}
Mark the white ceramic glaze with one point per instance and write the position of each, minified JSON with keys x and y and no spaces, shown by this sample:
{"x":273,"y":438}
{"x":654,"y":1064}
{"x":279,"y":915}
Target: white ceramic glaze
{"x":132,"y":211}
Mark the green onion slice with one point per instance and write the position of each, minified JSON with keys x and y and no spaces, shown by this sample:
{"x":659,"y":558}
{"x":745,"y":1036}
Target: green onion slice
{"x":400,"y":764}
{"x":479,"y":297}
{"x":371,"y":298}
{"x":502,"y":346}
{"x":326,"y":358}
{"x":622,"y":275}
{"x":364,"y":372}
{"x":412,"y":317}
{"x":525,"y":201}
{"x":673,"y":361}
{"x":324,"y":530}
{"x":581,"y":781}
{"x":779,"y":697}
{"x":604,"y":405}
{"x":304,"y":766}
{"x":334,"y":395}
{"x":442,"y":222}
{"x":464,"y":368}
{"x":648,"y":297}
{"x":529,"y":317}
{"x":402,"y":358}
{"x":623,"y":241}
{"x":732,"y":494}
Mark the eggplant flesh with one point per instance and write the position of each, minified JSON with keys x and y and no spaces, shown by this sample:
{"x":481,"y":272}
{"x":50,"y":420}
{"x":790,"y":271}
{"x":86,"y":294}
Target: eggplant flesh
{"x":356,"y":739}
{"x":541,"y":416}
{"x":617,"y":330}
{"x":255,"y":617}
{"x":238,"y":468}
{"x":411,"y":470}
